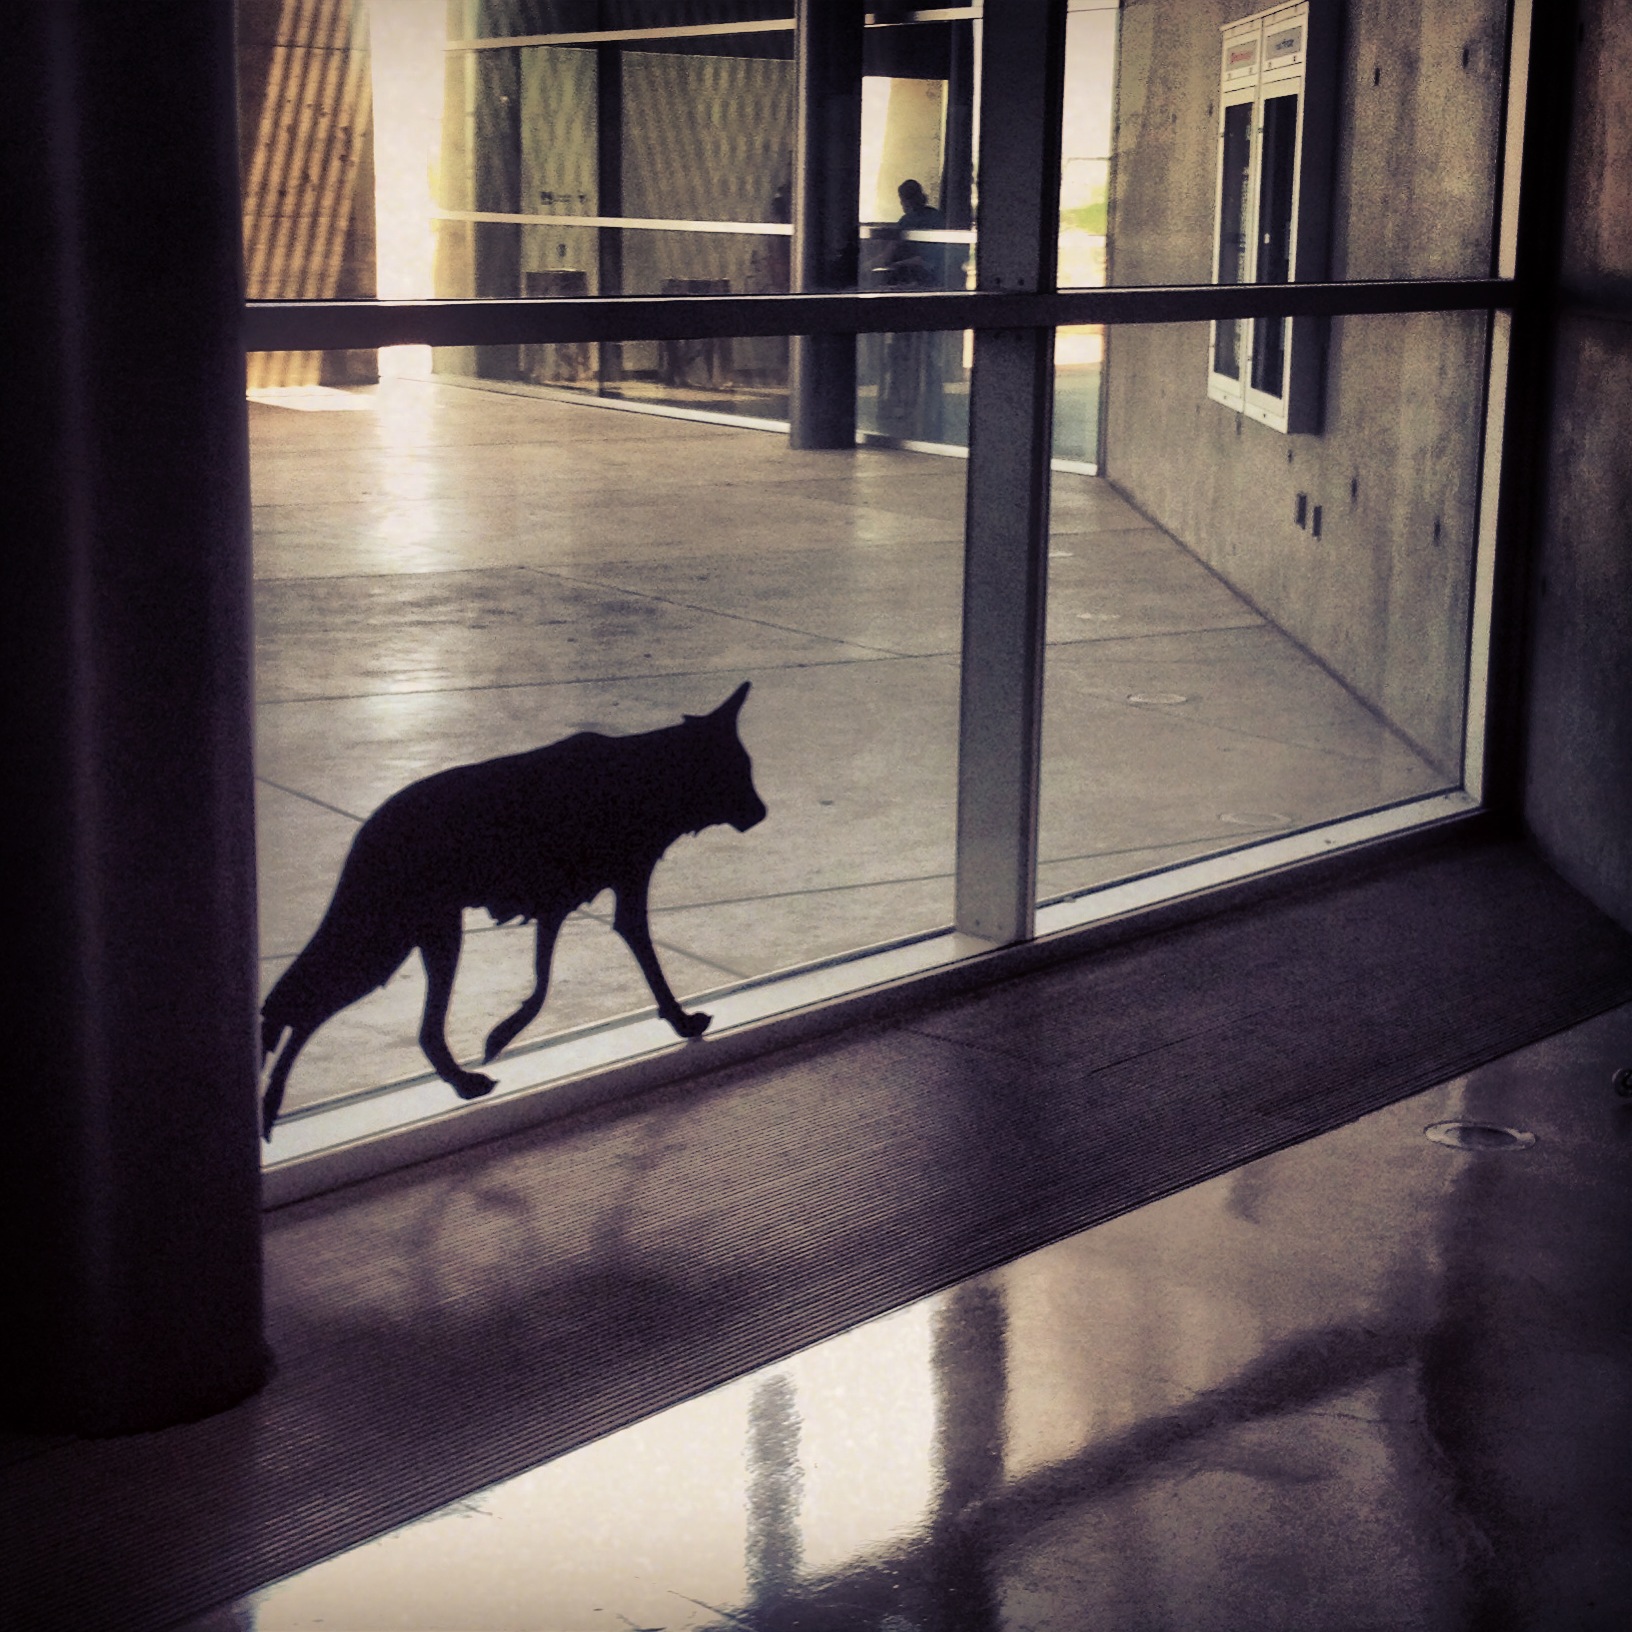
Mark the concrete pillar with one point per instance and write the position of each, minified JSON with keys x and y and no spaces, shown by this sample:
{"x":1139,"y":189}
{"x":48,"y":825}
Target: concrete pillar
{"x":826,"y":243}
{"x":130,"y":1290}
{"x":307,"y":171}
{"x":609,"y":188}
{"x":957,"y":173}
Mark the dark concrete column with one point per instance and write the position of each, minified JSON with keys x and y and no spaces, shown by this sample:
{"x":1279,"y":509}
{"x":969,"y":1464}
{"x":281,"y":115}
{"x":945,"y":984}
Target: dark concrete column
{"x":1530,"y":249}
{"x":609,"y":189}
{"x":495,"y":159}
{"x":826,"y":242}
{"x":130,"y":1294}
{"x":958,"y":168}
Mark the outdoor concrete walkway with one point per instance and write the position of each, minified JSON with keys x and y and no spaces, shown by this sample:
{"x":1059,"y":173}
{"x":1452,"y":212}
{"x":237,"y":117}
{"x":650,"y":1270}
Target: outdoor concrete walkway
{"x":445,"y":574}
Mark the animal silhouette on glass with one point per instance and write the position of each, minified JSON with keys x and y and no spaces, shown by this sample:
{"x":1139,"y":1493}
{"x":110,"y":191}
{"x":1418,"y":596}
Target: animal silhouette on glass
{"x":530,"y":835}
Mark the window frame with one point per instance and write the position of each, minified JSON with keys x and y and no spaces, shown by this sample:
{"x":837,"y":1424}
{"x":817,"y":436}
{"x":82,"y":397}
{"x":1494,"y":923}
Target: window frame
{"x":844,"y":991}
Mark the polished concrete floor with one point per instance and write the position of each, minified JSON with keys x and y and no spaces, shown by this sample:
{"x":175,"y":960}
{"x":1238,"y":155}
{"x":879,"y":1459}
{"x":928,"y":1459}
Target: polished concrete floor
{"x":445,"y":574}
{"x":1380,"y":1380}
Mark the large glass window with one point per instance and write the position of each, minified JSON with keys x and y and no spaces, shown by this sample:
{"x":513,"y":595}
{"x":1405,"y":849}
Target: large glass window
{"x":1255,"y":616}
{"x":1243,"y":646}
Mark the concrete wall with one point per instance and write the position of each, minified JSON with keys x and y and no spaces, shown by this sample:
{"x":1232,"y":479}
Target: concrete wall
{"x":1382,"y":596}
{"x":306,"y":166}
{"x":1578,"y":769}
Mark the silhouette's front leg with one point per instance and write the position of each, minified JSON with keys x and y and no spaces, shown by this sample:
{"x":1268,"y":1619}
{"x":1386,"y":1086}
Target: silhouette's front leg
{"x":630,"y":921}
{"x":549,"y":926}
{"x":439,"y":950}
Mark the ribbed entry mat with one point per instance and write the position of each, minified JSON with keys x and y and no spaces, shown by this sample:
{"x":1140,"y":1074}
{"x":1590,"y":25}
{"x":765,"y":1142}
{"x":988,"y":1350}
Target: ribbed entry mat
{"x":449,"y":1326}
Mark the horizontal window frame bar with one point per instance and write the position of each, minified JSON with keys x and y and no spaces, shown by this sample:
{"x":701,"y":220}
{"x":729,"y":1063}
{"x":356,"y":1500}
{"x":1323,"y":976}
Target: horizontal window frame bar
{"x":622,"y":36}
{"x":352,"y":325}
{"x":692,"y":31}
{"x":749,"y":229}
{"x":888,"y":231}
{"x":619,"y":223}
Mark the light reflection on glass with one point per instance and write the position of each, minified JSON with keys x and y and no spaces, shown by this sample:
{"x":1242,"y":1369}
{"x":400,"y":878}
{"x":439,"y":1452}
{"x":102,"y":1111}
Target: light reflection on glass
{"x":406,"y":46}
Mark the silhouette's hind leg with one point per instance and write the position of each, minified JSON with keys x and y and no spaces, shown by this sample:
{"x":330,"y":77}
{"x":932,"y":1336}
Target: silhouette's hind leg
{"x":549,"y":926}
{"x":630,"y":921}
{"x":272,"y":1100}
{"x":439,"y":950}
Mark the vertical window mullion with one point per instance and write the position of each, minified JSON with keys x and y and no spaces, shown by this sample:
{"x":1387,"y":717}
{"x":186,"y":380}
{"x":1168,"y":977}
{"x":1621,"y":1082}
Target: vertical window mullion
{"x":1010,"y":434}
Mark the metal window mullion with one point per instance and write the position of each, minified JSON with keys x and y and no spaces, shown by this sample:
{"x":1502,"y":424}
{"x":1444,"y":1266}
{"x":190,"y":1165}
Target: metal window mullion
{"x":1498,"y":358}
{"x":1489,"y":720}
{"x":1006,"y":515}
{"x":1005,"y":586}
{"x":1529,"y":236}
{"x":828,"y":65}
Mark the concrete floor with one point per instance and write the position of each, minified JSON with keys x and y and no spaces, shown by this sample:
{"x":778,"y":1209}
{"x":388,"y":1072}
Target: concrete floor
{"x":444,"y":574}
{"x":1370,"y":1382}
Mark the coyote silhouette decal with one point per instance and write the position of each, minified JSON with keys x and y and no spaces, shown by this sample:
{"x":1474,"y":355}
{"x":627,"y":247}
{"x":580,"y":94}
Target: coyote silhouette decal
{"x":530,"y":835}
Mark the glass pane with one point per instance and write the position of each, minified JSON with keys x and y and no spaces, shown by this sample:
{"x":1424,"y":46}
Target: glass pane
{"x":1234,"y":200}
{"x":1079,"y":355}
{"x":1250,"y":634}
{"x":444,"y":575}
{"x":743,"y":377}
{"x":1408,"y":146}
{"x":722,"y":376}
{"x":369,"y":146}
{"x":1269,"y":338}
{"x":572,"y":256}
{"x":1275,"y":200}
{"x":506,"y":19}
{"x":705,"y":136}
{"x":1086,"y":141}
{"x":915,"y":203}
{"x":1276,"y":177}
{"x":914,"y":387}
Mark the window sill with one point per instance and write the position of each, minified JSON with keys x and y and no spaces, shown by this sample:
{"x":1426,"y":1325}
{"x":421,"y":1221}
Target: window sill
{"x":340,"y":1142}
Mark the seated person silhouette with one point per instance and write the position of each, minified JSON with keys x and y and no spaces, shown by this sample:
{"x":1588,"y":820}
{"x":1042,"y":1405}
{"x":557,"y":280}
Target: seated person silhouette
{"x":910,"y":264}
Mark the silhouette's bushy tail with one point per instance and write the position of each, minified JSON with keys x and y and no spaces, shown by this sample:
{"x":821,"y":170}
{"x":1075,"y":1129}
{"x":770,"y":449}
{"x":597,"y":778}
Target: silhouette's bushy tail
{"x":353,"y":951}
{"x":349,"y":956}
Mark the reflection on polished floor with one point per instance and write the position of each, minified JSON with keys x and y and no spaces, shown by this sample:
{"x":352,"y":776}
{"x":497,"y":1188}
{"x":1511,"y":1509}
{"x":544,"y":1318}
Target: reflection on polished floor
{"x":1371,"y":1381}
{"x":445,"y":574}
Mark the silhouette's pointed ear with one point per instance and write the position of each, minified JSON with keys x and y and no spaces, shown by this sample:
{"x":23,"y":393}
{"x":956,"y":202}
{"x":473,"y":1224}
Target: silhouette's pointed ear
{"x":727,"y":712}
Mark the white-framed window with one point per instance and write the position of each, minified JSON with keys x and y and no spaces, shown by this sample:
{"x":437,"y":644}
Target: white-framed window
{"x":1276,"y":110}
